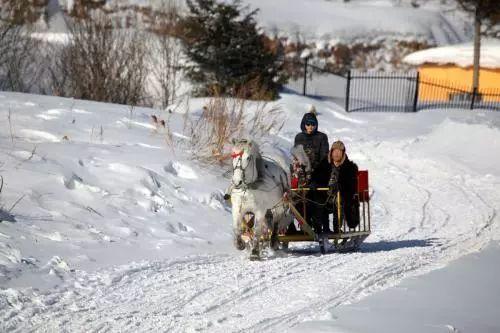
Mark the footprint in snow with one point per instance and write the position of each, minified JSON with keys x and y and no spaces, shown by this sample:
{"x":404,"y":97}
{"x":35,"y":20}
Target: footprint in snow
{"x":180,"y":170}
{"x":69,"y":182}
{"x":184,"y":228}
{"x":76,"y":182}
{"x":180,"y":228}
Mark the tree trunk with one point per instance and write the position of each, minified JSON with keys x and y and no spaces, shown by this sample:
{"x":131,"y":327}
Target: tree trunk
{"x":477,"y":50}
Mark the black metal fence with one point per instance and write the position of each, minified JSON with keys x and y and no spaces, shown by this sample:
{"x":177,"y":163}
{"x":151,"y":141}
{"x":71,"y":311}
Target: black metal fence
{"x":390,"y":91}
{"x":382,"y":91}
{"x":435,"y":93}
{"x":410,"y":92}
{"x":317,"y":81}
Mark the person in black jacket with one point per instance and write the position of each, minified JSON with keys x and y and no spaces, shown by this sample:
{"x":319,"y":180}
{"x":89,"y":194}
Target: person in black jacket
{"x":343,"y":180}
{"x":315,"y":144}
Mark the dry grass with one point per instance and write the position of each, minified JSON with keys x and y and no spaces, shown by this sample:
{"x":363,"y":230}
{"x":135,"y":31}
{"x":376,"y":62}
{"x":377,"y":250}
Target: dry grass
{"x":223,"y":119}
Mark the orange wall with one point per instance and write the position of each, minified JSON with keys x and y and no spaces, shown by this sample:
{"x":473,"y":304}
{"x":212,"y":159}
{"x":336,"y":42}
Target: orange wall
{"x":457,"y":77}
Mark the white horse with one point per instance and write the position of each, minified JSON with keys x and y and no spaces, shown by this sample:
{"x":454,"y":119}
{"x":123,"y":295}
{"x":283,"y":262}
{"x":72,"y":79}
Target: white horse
{"x":257,"y":189}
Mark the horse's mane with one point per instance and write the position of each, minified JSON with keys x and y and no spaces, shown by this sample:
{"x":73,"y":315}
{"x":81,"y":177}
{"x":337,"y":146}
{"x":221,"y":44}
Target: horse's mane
{"x":300,"y":155}
{"x":267,"y":163}
{"x":250,"y":144}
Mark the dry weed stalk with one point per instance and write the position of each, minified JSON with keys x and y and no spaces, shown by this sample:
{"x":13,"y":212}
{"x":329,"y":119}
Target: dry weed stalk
{"x":9,"y":117}
{"x":130,"y":115}
{"x":221,"y":119}
{"x":161,"y":123}
{"x":225,"y":118}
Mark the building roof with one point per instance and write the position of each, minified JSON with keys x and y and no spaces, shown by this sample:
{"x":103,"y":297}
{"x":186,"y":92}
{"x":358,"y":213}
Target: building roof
{"x":460,"y":54}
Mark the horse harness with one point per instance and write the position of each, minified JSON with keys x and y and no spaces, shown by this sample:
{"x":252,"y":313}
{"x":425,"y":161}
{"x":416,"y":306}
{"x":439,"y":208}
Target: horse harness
{"x":239,"y":166}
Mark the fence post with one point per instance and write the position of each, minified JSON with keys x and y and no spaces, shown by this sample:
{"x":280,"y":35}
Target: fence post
{"x":473,"y":99}
{"x":415,"y":99}
{"x":304,"y":91}
{"x":347,"y":91}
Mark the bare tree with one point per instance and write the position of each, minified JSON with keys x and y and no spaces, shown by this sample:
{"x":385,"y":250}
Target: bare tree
{"x":19,"y":65}
{"x":484,"y":11}
{"x":101,"y":62}
{"x":166,"y":52}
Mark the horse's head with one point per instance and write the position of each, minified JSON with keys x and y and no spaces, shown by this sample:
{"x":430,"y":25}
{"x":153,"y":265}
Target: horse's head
{"x":244,"y":154}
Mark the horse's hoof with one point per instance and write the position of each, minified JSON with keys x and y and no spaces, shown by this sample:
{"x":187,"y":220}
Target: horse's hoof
{"x":239,"y":244}
{"x":254,"y":257}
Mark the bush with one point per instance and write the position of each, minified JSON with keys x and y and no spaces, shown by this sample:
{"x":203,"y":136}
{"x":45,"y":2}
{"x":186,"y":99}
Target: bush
{"x":20,"y":66}
{"x":227,"y":50}
{"x":101,"y":63}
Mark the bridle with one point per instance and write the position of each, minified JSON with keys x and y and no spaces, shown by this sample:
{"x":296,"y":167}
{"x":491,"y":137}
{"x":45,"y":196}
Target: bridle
{"x":239,"y":166}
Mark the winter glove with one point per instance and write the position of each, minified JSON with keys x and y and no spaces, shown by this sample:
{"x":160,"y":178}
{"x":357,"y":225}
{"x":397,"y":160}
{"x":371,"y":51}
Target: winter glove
{"x":333,"y":188}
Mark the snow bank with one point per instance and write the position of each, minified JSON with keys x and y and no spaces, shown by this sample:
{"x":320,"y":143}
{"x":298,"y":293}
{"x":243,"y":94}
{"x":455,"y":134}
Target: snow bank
{"x":468,"y":145}
{"x":319,"y":20}
{"x":461,"y":55}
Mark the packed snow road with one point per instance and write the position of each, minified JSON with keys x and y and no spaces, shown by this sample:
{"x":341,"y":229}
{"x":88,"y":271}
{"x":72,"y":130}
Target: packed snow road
{"x":434,"y":198}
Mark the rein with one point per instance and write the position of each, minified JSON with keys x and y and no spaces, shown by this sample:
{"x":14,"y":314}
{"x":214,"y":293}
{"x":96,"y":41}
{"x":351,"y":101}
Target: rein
{"x":239,"y":156}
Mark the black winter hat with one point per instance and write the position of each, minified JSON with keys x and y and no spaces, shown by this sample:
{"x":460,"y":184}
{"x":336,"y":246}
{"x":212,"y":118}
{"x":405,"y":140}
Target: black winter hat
{"x":308,"y":118}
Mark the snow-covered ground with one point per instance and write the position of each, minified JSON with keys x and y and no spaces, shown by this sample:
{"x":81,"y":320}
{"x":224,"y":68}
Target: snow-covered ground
{"x":108,"y":227}
{"x":462,"y":297}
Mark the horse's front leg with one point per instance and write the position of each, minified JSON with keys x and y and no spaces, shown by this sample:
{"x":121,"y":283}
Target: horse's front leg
{"x":237,"y":231}
{"x":273,"y":225}
{"x":259,"y":236}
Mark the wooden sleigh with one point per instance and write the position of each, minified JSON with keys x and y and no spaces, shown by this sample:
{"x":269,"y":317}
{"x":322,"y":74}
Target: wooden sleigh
{"x":347,"y":239}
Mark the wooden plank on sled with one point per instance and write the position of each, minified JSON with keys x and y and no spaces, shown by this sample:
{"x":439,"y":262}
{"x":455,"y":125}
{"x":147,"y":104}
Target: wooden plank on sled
{"x":303,"y":224}
{"x":299,"y":189}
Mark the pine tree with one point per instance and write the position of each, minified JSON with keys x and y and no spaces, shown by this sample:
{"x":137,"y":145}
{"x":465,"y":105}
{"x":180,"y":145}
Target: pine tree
{"x":228,"y":53}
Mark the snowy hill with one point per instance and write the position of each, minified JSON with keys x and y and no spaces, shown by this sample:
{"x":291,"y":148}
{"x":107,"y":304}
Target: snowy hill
{"x":362,"y":34}
{"x":324,"y":22}
{"x":107,"y":226}
{"x":331,"y":22}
